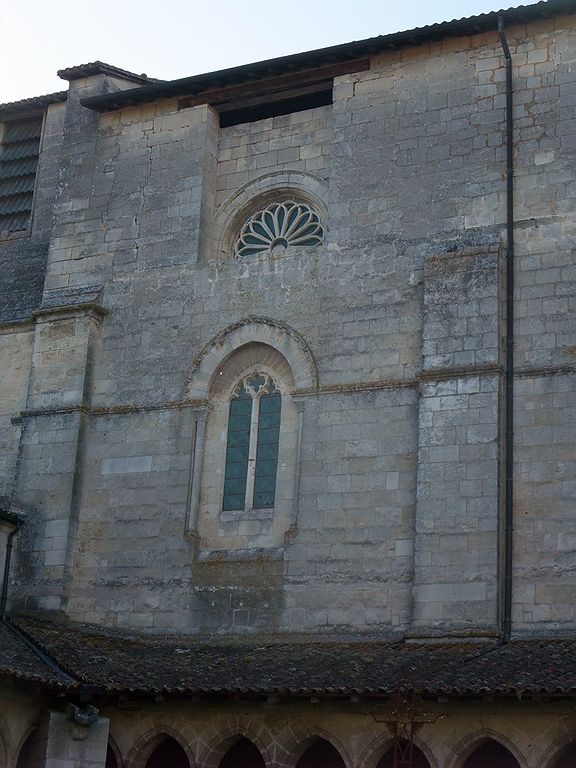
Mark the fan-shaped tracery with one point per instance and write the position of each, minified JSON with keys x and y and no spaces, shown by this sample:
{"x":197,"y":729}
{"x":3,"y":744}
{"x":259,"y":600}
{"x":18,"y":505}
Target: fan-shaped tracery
{"x":278,"y":226}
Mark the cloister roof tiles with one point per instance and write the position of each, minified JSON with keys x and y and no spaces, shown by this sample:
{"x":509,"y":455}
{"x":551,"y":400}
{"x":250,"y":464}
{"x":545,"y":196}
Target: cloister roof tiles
{"x":20,"y":661}
{"x":119,"y":662}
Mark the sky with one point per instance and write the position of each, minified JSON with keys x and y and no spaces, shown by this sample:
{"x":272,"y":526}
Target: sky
{"x":178,"y":38}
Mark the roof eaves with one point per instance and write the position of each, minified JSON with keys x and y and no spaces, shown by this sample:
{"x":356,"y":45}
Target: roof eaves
{"x":311,"y":59}
{"x":26,"y":107}
{"x":64,"y":678}
{"x":101,"y":68}
{"x":43,"y":670}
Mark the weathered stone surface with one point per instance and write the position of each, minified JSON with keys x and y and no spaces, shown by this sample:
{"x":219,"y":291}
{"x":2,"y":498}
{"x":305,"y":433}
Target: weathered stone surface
{"x":387,"y":341}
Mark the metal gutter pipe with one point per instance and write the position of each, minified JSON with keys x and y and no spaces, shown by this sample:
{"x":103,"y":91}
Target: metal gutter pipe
{"x":509,"y":364}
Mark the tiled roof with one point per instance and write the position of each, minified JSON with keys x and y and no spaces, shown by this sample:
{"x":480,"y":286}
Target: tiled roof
{"x":311,"y":60}
{"x":155,"y":664}
{"x":101,"y":68}
{"x":32,"y":105}
{"x":18,"y":660}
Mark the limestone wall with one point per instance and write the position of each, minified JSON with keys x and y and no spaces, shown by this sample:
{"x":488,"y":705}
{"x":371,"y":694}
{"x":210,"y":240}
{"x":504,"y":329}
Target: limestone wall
{"x":391,"y":517}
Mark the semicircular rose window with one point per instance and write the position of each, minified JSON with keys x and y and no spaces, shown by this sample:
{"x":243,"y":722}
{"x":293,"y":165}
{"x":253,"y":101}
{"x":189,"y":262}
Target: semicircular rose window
{"x":279,"y":226}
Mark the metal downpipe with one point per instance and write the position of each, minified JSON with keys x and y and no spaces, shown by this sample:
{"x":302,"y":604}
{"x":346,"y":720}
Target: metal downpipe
{"x":6,"y":576}
{"x":509,"y":364}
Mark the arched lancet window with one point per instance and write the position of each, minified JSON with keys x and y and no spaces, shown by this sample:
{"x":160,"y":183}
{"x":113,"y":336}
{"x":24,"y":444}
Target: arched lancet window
{"x":491,"y":753}
{"x":244,"y":754}
{"x":168,"y":754}
{"x":419,"y":759}
{"x":252,"y":444}
{"x":321,"y":755}
{"x":567,"y":758}
{"x":246,"y":449}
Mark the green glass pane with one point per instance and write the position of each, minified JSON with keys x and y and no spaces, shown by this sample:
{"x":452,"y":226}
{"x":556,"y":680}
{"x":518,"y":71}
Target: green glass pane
{"x":237,"y":438}
{"x":270,"y":420}
{"x":241,"y":404}
{"x":237,"y":448}
{"x":237,"y":454}
{"x":234,"y":484}
{"x":232,"y":502}
{"x":267,"y":451}
{"x":267,"y":468}
{"x":237,"y":421}
{"x":268,"y":436}
{"x":266,"y":483}
{"x":271,"y":403}
{"x":263,"y":500}
{"x":235,"y":469}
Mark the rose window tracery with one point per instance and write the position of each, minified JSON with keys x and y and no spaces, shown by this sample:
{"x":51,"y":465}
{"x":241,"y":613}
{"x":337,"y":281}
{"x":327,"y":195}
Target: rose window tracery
{"x":279,"y":226}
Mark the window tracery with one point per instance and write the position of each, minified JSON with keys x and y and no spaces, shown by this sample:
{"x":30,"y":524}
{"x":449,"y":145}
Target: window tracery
{"x":255,"y":364}
{"x":252,"y":444}
{"x":279,"y":226}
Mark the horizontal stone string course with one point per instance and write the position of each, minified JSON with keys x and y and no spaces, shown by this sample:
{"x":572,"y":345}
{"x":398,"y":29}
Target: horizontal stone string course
{"x":324,"y":389}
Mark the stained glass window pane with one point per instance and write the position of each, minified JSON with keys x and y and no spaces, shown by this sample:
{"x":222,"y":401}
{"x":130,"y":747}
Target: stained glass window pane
{"x":267,"y":450}
{"x":237,"y":449}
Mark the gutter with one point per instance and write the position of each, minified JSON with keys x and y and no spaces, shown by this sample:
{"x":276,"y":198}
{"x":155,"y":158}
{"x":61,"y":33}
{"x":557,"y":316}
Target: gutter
{"x":68,"y":680}
{"x":509,"y":362}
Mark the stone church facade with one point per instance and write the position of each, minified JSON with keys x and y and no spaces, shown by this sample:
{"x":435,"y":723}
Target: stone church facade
{"x":287,"y":408}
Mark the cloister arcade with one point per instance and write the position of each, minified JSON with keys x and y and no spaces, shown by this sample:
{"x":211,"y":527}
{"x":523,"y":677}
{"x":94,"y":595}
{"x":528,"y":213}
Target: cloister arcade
{"x":166,"y":751}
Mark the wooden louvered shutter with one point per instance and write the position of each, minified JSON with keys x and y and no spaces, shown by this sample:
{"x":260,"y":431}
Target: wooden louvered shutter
{"x":18,"y":163}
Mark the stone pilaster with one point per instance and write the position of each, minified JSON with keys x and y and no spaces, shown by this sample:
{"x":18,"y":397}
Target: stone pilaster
{"x":458,"y":490}
{"x":64,"y":743}
{"x":51,"y":454}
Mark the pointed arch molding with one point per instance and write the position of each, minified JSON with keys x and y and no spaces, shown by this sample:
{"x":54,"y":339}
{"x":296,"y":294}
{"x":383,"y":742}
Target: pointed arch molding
{"x":468,"y":745}
{"x":252,"y":329}
{"x":302,"y":740}
{"x":301,"y":185}
{"x":147,"y":743}
{"x":219,"y":745}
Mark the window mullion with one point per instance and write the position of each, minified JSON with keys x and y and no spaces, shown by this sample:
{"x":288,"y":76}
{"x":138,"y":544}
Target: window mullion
{"x":251,"y":475}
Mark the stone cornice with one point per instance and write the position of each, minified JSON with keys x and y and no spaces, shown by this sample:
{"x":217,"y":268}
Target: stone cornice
{"x":66,"y":312}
